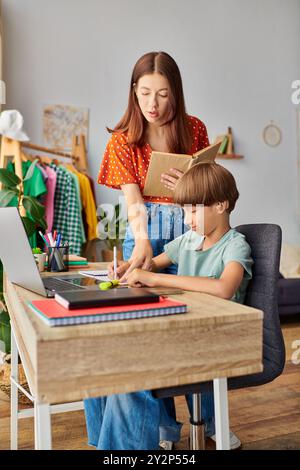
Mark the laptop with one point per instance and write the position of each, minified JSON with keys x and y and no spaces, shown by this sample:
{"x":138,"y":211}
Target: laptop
{"x":19,"y":263}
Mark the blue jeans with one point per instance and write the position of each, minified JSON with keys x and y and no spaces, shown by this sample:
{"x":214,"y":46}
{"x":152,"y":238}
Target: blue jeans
{"x":137,"y":420}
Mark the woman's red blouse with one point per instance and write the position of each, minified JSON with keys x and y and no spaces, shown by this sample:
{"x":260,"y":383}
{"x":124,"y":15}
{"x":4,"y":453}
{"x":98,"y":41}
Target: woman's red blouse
{"x":125,"y":164}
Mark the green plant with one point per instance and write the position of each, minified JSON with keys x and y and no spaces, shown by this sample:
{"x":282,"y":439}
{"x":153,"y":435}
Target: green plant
{"x":37,"y":251}
{"x":112,"y":230}
{"x":12,"y":195}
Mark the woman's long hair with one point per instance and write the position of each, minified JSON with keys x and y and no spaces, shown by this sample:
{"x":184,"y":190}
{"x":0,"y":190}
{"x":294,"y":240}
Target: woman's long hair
{"x":178,"y":132}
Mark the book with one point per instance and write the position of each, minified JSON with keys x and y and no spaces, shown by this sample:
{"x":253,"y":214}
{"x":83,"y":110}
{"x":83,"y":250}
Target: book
{"x":75,"y":260}
{"x":54,"y":314}
{"x":229,"y":149}
{"x":223,"y":145}
{"x":101,"y":298}
{"x":161,"y":162}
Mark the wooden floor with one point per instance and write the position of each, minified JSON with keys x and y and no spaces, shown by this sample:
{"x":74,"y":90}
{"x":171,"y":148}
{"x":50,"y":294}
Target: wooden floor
{"x":266,"y":417}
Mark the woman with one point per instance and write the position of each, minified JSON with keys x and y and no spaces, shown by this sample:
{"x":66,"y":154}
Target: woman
{"x":155,"y":119}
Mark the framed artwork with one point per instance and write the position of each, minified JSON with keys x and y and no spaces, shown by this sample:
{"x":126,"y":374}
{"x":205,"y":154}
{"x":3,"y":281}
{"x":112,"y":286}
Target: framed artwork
{"x":61,"y":122}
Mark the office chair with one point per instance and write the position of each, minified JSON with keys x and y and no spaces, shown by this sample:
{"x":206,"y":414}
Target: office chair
{"x":265,"y":243}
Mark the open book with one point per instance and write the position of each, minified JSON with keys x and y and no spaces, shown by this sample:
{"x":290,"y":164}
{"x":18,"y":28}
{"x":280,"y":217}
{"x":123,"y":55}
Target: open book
{"x":161,"y":162}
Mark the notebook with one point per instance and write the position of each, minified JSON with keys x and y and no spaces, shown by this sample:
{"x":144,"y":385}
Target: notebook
{"x":101,"y":275}
{"x":54,"y":314}
{"x":104,"y":298}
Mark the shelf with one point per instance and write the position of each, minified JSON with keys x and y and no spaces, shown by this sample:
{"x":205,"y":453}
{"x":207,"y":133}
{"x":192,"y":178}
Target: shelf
{"x":231,"y":156}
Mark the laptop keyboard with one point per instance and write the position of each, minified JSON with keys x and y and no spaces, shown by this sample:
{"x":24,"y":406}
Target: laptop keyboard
{"x":59,"y":286}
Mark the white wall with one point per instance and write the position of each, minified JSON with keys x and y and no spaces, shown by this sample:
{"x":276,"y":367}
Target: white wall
{"x":238,"y":59}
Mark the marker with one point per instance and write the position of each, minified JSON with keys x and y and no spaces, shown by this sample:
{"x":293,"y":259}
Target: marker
{"x":58,"y":240}
{"x":108,"y":284}
{"x":51,"y":239}
{"x":42,"y":236}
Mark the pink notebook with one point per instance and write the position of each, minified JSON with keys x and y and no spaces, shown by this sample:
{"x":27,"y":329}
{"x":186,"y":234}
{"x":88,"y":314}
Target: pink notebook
{"x":55,"y":314}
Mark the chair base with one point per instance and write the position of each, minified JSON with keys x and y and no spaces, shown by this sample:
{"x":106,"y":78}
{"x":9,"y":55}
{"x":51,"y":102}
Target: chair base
{"x":197,"y":435}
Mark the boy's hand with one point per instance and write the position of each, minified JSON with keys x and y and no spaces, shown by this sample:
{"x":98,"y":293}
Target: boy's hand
{"x":122,"y":267}
{"x":140,"y":277}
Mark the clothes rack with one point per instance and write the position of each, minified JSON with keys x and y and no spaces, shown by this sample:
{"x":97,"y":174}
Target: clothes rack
{"x":12,"y":149}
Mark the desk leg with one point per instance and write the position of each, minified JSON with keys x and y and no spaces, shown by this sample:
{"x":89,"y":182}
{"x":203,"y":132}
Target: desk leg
{"x":14,"y":372}
{"x":221,"y":414}
{"x":42,"y":426}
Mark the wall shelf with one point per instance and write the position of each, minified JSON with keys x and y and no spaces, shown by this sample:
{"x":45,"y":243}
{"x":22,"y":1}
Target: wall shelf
{"x":231,"y":156}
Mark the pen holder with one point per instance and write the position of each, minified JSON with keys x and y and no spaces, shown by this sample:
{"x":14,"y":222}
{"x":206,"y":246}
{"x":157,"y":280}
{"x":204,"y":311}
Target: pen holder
{"x":58,"y":259}
{"x":40,"y":259}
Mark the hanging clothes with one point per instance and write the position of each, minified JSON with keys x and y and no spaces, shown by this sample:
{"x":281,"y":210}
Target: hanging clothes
{"x":48,"y":199}
{"x":78,"y":195}
{"x":67,"y":213}
{"x":88,"y":204}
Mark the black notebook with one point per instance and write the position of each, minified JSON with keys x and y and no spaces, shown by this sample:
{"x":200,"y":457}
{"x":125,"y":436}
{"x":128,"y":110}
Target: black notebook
{"x":89,"y":298}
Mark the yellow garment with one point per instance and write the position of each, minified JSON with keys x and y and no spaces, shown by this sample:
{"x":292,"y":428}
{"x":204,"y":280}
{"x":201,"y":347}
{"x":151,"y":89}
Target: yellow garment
{"x":88,"y":203}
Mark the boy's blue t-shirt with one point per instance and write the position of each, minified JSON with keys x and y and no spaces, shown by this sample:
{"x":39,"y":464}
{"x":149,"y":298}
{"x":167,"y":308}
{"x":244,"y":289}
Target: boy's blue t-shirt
{"x":192,"y":261}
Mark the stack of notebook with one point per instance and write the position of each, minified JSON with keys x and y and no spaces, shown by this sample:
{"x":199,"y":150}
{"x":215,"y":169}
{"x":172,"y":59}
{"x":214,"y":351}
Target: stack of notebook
{"x":54,"y":314}
{"x":77,"y":261}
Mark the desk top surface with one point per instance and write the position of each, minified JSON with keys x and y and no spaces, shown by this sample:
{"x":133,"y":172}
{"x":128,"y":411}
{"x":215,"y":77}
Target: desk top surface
{"x":215,"y":338}
{"x":203,"y":309}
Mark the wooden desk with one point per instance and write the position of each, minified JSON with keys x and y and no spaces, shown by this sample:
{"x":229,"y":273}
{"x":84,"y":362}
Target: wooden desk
{"x":216,"y":339}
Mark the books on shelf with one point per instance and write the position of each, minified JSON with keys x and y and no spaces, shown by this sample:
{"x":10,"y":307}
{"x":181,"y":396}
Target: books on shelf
{"x":161,"y":162}
{"x":223,"y":145}
{"x":54,"y":314}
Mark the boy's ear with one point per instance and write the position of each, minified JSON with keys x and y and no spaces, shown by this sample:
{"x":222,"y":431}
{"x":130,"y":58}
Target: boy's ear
{"x":222,"y":207}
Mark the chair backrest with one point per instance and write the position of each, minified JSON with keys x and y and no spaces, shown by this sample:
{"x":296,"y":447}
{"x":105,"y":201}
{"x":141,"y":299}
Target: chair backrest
{"x":265,"y":243}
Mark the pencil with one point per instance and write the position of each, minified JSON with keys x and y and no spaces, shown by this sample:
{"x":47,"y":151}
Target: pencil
{"x":115,"y":262}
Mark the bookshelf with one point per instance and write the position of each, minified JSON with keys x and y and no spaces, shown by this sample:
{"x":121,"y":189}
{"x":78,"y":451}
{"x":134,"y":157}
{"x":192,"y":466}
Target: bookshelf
{"x":229,"y":147}
{"x":230,"y":156}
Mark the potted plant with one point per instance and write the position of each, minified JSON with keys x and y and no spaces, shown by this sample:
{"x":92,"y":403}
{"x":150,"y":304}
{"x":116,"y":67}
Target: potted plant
{"x":12,"y":195}
{"x":112,"y":231}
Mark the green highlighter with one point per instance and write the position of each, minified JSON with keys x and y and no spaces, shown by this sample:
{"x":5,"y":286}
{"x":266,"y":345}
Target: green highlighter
{"x":108,"y":284}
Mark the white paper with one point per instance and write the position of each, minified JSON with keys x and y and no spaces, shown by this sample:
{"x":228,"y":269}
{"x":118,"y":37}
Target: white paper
{"x":99,"y":275}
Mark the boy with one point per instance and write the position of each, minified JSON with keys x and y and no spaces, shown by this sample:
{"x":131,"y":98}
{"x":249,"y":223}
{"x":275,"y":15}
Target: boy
{"x":211,"y":258}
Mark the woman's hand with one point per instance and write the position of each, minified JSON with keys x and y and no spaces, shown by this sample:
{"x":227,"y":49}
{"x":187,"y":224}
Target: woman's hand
{"x":141,"y":257}
{"x":122,"y":267}
{"x":171,"y":181}
{"x":139,"y":277}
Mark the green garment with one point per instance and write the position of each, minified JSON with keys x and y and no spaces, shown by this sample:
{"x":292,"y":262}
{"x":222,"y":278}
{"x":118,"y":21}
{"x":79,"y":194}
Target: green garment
{"x":67,"y":213}
{"x":34,"y":187}
{"x":77,"y":187}
{"x":186,"y":252}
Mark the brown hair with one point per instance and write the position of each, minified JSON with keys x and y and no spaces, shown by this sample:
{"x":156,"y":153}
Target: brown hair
{"x":178,"y":133}
{"x":206,"y":183}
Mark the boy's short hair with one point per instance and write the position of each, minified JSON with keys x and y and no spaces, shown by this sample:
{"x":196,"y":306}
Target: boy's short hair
{"x":207,"y":184}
